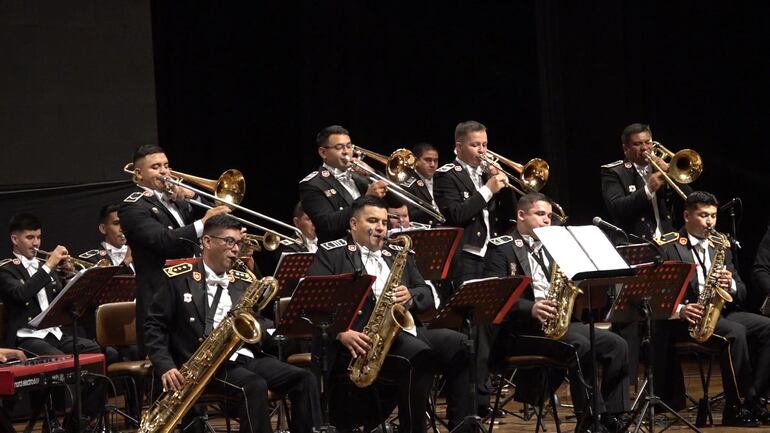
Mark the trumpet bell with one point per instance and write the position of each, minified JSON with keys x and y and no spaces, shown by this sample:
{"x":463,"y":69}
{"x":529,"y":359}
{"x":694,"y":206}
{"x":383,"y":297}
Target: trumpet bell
{"x":535,"y":174}
{"x":685,"y":166}
{"x":400,"y":166}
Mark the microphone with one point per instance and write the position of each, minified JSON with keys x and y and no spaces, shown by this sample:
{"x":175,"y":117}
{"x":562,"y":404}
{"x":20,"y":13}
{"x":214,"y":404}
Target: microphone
{"x":197,"y":248}
{"x":730,"y":204}
{"x":605,"y":225}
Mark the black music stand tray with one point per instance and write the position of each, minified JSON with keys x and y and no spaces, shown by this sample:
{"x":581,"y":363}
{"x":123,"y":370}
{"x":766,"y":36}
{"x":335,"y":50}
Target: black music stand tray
{"x":291,"y":267}
{"x":72,"y":302}
{"x":639,"y":254}
{"x":653,"y":294}
{"x":324,"y":305}
{"x":476,"y":303}
{"x":434,"y":249}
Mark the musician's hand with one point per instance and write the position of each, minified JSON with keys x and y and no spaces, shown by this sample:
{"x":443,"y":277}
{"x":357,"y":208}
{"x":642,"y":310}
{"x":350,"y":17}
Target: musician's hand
{"x":661,"y":163}
{"x":9,"y":354}
{"x":497,"y":182}
{"x":172,"y":380}
{"x":377,"y":189}
{"x":356,"y":342}
{"x":655,"y":181}
{"x":178,"y":193}
{"x":67,"y":267}
{"x":692,"y":312}
{"x":219,"y":210}
{"x":128,"y":259}
{"x":725,"y":279}
{"x":544,"y":309}
{"x":57,"y":256}
{"x":401,"y":295}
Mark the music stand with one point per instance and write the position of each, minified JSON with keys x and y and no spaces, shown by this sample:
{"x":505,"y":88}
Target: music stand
{"x":68,"y":306}
{"x":291,"y":267}
{"x":639,"y":254}
{"x":324,"y":305}
{"x":476,"y":303}
{"x":653,"y":294}
{"x":434,"y":249}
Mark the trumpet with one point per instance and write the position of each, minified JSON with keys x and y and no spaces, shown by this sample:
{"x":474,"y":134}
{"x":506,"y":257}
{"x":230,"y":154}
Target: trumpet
{"x":684,"y":166}
{"x":78,"y":263}
{"x":229,"y":190}
{"x":399,"y":166}
{"x":269,"y":241}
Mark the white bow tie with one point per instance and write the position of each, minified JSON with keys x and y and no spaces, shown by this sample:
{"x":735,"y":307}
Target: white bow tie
{"x":122,"y":250}
{"x":27,"y":263}
{"x":365,"y":252}
{"x":344,"y":176}
{"x":217,"y":280}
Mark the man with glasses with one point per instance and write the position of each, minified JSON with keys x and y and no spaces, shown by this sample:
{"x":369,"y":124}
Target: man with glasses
{"x":328,"y":193}
{"x":192,"y":303}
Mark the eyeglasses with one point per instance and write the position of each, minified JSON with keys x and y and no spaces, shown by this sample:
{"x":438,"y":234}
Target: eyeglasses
{"x":229,"y":242}
{"x":340,"y":146}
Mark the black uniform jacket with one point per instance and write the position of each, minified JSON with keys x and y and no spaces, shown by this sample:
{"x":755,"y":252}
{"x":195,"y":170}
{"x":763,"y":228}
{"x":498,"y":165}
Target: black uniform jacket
{"x":18,"y":291}
{"x":417,"y":187}
{"x":177,"y":318}
{"x":327,"y":202}
{"x":760,"y":272}
{"x":681,"y":250}
{"x":627,"y":203}
{"x":462,"y":205}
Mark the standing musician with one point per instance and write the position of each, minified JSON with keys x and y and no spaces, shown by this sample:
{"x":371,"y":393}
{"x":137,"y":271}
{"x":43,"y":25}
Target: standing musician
{"x":328,"y":193}
{"x":415,"y":354}
{"x":746,"y":332}
{"x":158,"y":224}
{"x":468,"y":197}
{"x":113,"y":247}
{"x":421,"y":185}
{"x":522,"y":253}
{"x":193,"y":300}
{"x":27,"y":286}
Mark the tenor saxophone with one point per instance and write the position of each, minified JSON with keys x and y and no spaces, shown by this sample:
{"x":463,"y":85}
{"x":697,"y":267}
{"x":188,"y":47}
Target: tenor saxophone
{"x":713,"y":297}
{"x":562,"y":292}
{"x":387,"y":319}
{"x":238,"y":327}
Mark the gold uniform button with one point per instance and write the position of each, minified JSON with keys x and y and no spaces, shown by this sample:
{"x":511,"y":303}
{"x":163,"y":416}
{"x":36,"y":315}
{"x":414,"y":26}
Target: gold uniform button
{"x":478,"y":234}
{"x":473,"y":219}
{"x":28,"y":319}
{"x":192,"y":319}
{"x":360,"y":312}
{"x":27,"y":304}
{"x":341,"y":208}
{"x":642,"y":218}
{"x":54,"y":290}
{"x":200,"y":339}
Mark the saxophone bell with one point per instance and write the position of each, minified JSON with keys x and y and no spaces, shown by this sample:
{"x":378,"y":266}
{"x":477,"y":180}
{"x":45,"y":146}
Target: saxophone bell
{"x":246,"y":327}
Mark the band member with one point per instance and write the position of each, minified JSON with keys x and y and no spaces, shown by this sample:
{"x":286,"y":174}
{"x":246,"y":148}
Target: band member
{"x":158,"y":224}
{"x":303,"y":222}
{"x":7,"y":355}
{"x":415,"y":354}
{"x":327,"y":194}
{"x":113,"y":248}
{"x":27,"y":286}
{"x":760,"y":272}
{"x":421,"y":185}
{"x":522,"y":253}
{"x":194,"y":299}
{"x":736,"y":324}
{"x":471,"y":199}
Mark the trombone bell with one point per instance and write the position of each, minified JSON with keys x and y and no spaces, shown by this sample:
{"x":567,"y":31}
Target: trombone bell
{"x":228,"y":189}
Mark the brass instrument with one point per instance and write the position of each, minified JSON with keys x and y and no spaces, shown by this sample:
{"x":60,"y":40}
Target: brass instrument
{"x":78,"y":263}
{"x":387,"y":319}
{"x":713,"y":297}
{"x":269,"y":241}
{"x":237,"y":327}
{"x":399,"y":166}
{"x":563,"y":292}
{"x":229,"y":190}
{"x":684,"y":166}
{"x":398,"y":190}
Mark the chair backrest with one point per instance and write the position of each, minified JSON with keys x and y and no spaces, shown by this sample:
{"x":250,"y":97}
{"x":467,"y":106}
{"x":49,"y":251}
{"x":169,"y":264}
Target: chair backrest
{"x":116,"y":324}
{"x":280,"y":308}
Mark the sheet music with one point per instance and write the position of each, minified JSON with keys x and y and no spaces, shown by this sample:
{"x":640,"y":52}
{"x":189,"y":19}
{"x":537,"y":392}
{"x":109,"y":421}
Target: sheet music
{"x":580,"y":249}
{"x":35,"y":323}
{"x":603,"y":253}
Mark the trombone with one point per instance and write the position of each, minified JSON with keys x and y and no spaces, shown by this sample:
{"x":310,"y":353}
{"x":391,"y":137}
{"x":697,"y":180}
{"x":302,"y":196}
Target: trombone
{"x":684,"y":166}
{"x":399,"y":166}
{"x":228,"y":190}
{"x":269,"y":241}
{"x":398,"y":191}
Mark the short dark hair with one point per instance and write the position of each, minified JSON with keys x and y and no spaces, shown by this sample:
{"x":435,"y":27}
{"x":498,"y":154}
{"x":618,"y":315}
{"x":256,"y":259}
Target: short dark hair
{"x":23,"y":221}
{"x":368,"y":200}
{"x":217,"y":223}
{"x":298,"y":210}
{"x":323,"y":135}
{"x":528,"y":200}
{"x":106,"y":210}
{"x":421,"y":148}
{"x":464,"y":128}
{"x":146,"y":149}
{"x":697,"y":198}
{"x":634,"y":128}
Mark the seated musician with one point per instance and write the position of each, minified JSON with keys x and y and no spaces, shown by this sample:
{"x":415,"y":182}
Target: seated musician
{"x":746,"y":332}
{"x":416,"y":353}
{"x":303,"y":222}
{"x":194,"y":300}
{"x":522,"y":254}
{"x":113,"y":250}
{"x":27,"y":285}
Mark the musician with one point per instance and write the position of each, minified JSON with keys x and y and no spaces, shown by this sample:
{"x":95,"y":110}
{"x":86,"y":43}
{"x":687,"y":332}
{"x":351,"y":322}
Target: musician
{"x":522,"y":253}
{"x":302,"y":221}
{"x":470,"y":198}
{"x":421,"y":185}
{"x":113,"y":246}
{"x":27,"y":286}
{"x":746,"y":332}
{"x":760,"y":272}
{"x":193,"y":301}
{"x":158,"y":225}
{"x":415,"y":354}
{"x":328,"y":193}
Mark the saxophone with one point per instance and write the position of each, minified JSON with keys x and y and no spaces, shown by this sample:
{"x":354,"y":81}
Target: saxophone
{"x":238,"y":326}
{"x":713,"y":297}
{"x":563,"y":292}
{"x":386,"y":321}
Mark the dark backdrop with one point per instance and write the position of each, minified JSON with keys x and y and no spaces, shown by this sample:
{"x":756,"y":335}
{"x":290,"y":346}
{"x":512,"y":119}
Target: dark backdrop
{"x":248,"y":85}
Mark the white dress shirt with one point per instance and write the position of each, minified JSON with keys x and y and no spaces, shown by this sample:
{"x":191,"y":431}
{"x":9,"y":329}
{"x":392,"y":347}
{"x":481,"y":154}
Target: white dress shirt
{"x":377,"y":266}
{"x":225,"y":303}
{"x":172,"y":207}
{"x":700,"y":249}
{"x":32,"y":267}
{"x":485,"y":192}
{"x":645,"y":171}
{"x":311,"y":245}
{"x":540,"y":283}
{"x":345,"y":177}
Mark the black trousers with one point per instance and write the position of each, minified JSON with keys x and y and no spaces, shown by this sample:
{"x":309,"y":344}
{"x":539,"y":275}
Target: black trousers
{"x":250,"y":378}
{"x":451,"y":356}
{"x":94,"y":395}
